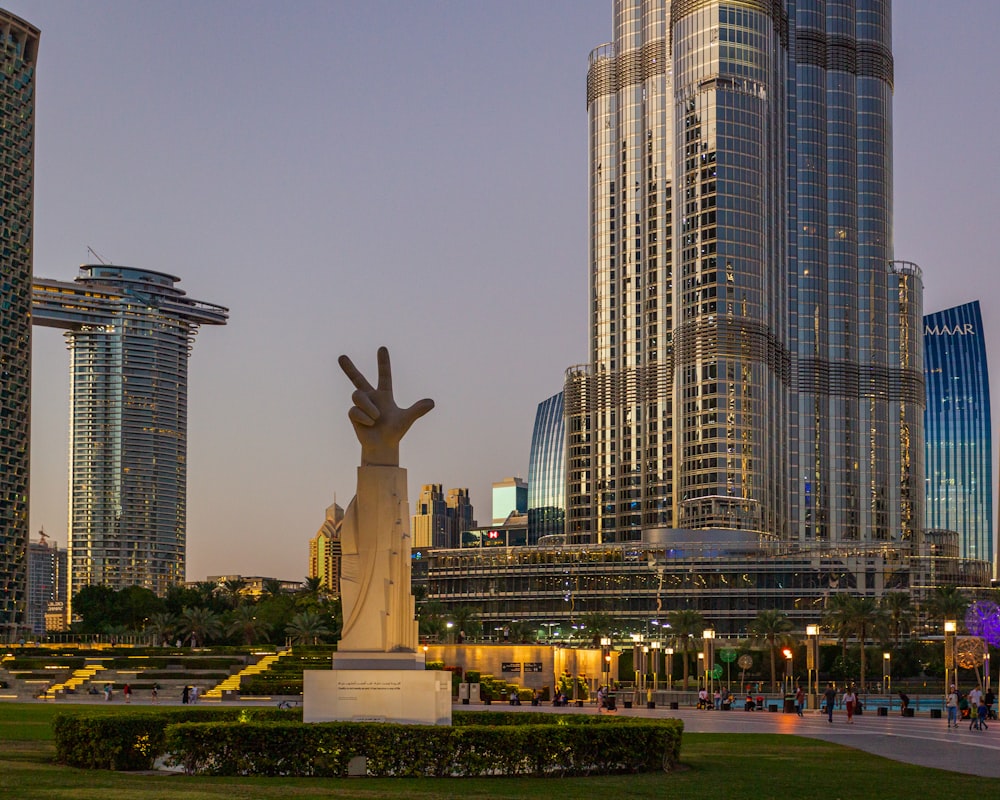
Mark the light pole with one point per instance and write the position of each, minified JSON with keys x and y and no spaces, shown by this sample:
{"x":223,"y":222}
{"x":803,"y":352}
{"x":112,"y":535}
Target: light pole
{"x":788,"y":654}
{"x":670,"y":668}
{"x":887,"y":675}
{"x":986,"y":666}
{"x":812,"y":662}
{"x":645,"y":672}
{"x":708,"y":638}
{"x":655,"y":646}
{"x":606,"y":661}
{"x":636,"y":656}
{"x":950,"y":629}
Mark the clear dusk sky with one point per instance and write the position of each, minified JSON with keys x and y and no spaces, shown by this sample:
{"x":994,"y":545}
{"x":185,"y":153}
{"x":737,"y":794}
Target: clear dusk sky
{"x":413,"y":173}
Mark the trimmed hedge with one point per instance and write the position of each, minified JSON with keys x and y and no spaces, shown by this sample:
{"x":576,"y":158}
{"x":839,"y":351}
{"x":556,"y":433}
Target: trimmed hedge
{"x":133,"y":741}
{"x":553,"y":748}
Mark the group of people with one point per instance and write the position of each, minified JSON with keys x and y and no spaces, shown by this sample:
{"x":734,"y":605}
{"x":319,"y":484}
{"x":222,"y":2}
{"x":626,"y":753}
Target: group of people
{"x":850,"y":699}
{"x":976,"y":706}
{"x":719,"y":700}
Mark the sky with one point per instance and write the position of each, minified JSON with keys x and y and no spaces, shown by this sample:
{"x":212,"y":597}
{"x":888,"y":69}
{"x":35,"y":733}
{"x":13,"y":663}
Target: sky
{"x":343,"y":175}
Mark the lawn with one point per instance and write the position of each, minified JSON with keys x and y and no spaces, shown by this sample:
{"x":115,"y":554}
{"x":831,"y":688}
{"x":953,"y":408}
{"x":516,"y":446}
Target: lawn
{"x":713,"y":765}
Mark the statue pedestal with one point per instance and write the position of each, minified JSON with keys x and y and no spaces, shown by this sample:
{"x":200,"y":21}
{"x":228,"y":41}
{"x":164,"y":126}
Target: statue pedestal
{"x":377,"y":693}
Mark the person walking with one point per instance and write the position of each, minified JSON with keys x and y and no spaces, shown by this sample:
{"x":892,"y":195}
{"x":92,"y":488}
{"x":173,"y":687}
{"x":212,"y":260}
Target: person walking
{"x":982,"y":711}
{"x":975,"y":696}
{"x":830,"y":696}
{"x":951,"y":703}
{"x":155,"y":694}
{"x":850,"y":699}
{"x":904,"y":702}
{"x":800,"y":700}
{"x":127,"y":693}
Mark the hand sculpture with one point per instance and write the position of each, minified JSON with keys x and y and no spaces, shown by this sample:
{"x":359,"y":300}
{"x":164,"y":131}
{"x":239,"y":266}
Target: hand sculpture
{"x":378,"y":422}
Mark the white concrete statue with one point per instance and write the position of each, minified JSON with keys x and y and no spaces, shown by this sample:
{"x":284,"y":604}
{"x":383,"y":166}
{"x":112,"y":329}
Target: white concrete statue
{"x":375,"y":587}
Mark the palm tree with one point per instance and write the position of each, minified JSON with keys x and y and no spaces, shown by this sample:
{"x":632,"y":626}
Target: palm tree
{"x":200,"y":624}
{"x":835,"y":618}
{"x":596,"y":625}
{"x":900,"y":612}
{"x":466,"y":620}
{"x":271,"y":588}
{"x":161,"y":627}
{"x":244,"y":623}
{"x":771,"y":626}
{"x":233,"y":588}
{"x":685,"y":624}
{"x":431,"y":618}
{"x":307,"y":627}
{"x":521,"y":631}
{"x":947,"y":602}
{"x":863,"y":616}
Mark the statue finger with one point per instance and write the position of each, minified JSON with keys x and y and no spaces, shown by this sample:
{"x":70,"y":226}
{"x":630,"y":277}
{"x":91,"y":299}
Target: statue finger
{"x":354,"y":374}
{"x":417,"y":410}
{"x":384,"y":371}
{"x":364,"y":402}
{"x":359,"y":417}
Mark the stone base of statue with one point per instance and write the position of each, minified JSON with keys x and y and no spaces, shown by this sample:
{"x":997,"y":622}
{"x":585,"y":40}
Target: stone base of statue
{"x":411,"y":696}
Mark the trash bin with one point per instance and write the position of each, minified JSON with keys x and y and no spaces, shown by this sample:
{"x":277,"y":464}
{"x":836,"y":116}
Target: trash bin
{"x":909,"y":713}
{"x":858,"y":709}
{"x":674,"y":705}
{"x":789,"y":707}
{"x":610,"y":703}
{"x":883,"y":711}
{"x":773,"y":708}
{"x":935,"y":713}
{"x":628,"y":704}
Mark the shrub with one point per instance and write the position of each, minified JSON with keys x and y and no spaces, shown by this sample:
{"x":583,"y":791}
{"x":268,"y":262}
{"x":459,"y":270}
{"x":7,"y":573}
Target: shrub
{"x":134,"y":741}
{"x":488,"y":744}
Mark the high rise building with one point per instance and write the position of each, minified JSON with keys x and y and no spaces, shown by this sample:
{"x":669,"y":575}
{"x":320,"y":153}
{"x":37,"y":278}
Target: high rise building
{"x":959,"y":438}
{"x":46,"y":582}
{"x":129,"y":333}
{"x":547,"y":471}
{"x":510,"y":496}
{"x":325,"y":550}
{"x":755,"y":352}
{"x":438,"y":521}
{"x":18,"y":53}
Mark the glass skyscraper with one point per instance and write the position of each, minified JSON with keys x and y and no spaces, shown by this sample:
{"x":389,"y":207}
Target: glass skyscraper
{"x":958,"y":431}
{"x":129,"y":333}
{"x":755,"y":354}
{"x":547,"y":471}
{"x":18,"y":53}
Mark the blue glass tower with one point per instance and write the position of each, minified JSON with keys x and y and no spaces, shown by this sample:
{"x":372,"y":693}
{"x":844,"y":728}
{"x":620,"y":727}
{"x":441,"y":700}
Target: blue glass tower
{"x":547,"y":471}
{"x":957,"y":427}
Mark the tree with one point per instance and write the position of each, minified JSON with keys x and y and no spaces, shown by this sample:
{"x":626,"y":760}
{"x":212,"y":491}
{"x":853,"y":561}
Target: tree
{"x":685,"y":624}
{"x":244,"y":623}
{"x":161,"y":627}
{"x":861,"y":617}
{"x":521,"y":631}
{"x":233,"y":589}
{"x":96,"y":607}
{"x":947,"y":602}
{"x":307,"y":627}
{"x":466,"y":620}
{"x":200,"y":624}
{"x":899,"y":612}
{"x":431,"y":618}
{"x":596,"y":625}
{"x":771,"y":626}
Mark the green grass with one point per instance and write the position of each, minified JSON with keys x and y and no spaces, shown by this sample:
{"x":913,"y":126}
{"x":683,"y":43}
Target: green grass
{"x":713,"y":766}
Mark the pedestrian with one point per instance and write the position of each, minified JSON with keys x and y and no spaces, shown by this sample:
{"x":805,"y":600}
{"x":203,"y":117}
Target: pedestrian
{"x":830,"y":696}
{"x":107,"y":692}
{"x":951,"y":703}
{"x":127,"y":693}
{"x":186,"y":695}
{"x":194,"y":694}
{"x":717,"y":698}
{"x":974,"y":697}
{"x":850,"y":699}
{"x":990,"y":699}
{"x":703,"y":698}
{"x":981,"y":713}
{"x":800,"y":700}
{"x":904,"y":702}
{"x":156,"y":694}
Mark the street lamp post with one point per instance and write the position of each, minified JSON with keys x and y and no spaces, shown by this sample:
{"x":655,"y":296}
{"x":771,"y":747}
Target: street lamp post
{"x":606,"y":661}
{"x":670,"y":668}
{"x":655,"y":647}
{"x":708,"y":637}
{"x":812,"y":662}
{"x":636,"y":657}
{"x":950,"y":629}
{"x":789,"y":655}
{"x":645,"y":672}
{"x":887,"y":675}
{"x":986,"y":667}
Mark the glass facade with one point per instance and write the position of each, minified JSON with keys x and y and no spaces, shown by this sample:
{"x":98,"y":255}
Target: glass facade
{"x":129,"y":333}
{"x":547,"y":471}
{"x":958,"y":432}
{"x":18,"y":52}
{"x":755,"y":354}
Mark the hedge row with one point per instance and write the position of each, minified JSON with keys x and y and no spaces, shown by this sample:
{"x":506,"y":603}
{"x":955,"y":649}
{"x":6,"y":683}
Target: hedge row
{"x":327,"y":749}
{"x":269,"y":742}
{"x":98,"y":740}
